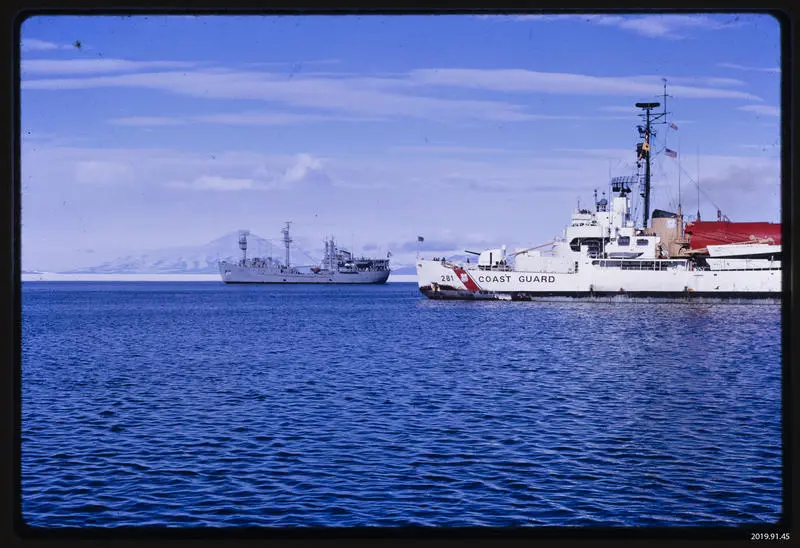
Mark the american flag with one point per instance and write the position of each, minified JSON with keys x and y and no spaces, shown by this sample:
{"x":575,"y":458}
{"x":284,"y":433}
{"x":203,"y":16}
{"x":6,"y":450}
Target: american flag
{"x":670,"y":153}
{"x":673,"y":126}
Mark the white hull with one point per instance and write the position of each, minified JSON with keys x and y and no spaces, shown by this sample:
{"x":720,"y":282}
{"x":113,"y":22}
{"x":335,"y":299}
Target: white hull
{"x":449,"y":281}
{"x":237,"y":274}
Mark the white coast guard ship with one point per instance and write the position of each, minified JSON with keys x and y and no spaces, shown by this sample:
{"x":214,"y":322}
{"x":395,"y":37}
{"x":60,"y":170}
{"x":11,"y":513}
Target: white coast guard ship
{"x":339,"y":266}
{"x":604,"y":255}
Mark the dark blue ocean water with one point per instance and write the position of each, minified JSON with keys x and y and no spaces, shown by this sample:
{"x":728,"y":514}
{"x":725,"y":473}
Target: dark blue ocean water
{"x":197,"y":404}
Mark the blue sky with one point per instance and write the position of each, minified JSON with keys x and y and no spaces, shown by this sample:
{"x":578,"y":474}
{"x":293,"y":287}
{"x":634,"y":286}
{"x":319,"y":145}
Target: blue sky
{"x":469,"y":130}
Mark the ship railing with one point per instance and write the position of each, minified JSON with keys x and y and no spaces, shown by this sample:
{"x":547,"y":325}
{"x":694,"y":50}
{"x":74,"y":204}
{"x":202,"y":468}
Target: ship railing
{"x":746,"y":268}
{"x":641,"y":264}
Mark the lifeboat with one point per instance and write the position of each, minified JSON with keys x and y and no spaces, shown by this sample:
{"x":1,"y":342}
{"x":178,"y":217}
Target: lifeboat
{"x":315,"y":269}
{"x":704,"y":233}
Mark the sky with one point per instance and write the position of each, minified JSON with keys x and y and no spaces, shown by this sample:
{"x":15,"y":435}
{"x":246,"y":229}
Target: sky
{"x":147,"y":132}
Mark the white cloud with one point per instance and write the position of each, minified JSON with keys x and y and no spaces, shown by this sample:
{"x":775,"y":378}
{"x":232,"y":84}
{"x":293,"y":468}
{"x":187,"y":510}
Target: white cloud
{"x":372,"y":98}
{"x":669,"y":26}
{"x":298,"y":64}
{"x":774,"y":148}
{"x":603,"y":152}
{"x":58,"y":167}
{"x":742,"y":67}
{"x":764,"y":110}
{"x":93,"y":66}
{"x":239,"y":119}
{"x":444,"y":149}
{"x":344,"y":95}
{"x":161,"y":197}
{"x":147,"y":121}
{"x":274,"y":118}
{"x":527,"y":81}
{"x":627,"y":110}
{"x":663,"y":26}
{"x":31,"y":44}
{"x":225,"y":171}
{"x":304,"y":164}
{"x":98,"y":172}
{"x":705,"y":81}
{"x":213,"y":182}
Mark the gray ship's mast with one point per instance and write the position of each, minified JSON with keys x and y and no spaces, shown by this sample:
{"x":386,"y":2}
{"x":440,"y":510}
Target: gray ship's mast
{"x":329,"y":253}
{"x":287,"y":241}
{"x":243,"y":243}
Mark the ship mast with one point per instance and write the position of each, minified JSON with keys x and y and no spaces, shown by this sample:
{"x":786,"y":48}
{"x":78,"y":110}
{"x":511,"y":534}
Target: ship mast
{"x":287,"y":241}
{"x":644,"y":153}
{"x":644,"y":148}
{"x":243,"y":244}
{"x":698,"y":182}
{"x":679,"y":176}
{"x":332,"y":254}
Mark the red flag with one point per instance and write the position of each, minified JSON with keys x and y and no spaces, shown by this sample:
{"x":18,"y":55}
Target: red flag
{"x":673,"y":126}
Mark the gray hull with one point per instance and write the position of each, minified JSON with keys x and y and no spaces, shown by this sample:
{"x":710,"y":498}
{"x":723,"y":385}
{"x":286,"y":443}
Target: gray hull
{"x":236,"y":274}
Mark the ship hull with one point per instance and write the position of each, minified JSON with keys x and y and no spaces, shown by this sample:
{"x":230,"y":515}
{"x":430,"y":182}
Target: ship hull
{"x":593,"y":296}
{"x":235,"y":274}
{"x":445,"y":281}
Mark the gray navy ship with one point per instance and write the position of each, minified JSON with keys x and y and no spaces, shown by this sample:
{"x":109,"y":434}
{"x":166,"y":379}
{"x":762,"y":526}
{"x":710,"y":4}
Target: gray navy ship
{"x":338,"y":267}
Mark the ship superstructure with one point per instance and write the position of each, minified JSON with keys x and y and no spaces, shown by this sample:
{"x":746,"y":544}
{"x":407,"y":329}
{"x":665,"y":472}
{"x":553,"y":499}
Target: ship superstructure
{"x":338,"y":266}
{"x":602,"y":253}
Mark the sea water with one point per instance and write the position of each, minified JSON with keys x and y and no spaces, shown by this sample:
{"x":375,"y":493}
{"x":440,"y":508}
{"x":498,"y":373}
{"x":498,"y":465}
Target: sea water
{"x":199,"y":404}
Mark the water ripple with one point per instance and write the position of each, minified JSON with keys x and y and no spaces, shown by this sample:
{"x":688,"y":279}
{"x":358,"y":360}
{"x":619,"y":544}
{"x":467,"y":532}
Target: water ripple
{"x":196,"y":405}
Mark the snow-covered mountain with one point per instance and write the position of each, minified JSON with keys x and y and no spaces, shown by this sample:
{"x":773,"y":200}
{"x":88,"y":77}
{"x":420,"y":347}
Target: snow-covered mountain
{"x":201,"y":259}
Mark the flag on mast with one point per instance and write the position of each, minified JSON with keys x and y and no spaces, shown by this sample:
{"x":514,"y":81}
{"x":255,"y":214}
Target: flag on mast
{"x":673,"y":126}
{"x":670,"y":153}
{"x":420,"y":239}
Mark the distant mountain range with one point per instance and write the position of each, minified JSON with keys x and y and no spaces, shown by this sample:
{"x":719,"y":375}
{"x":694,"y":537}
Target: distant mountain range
{"x":201,"y":259}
